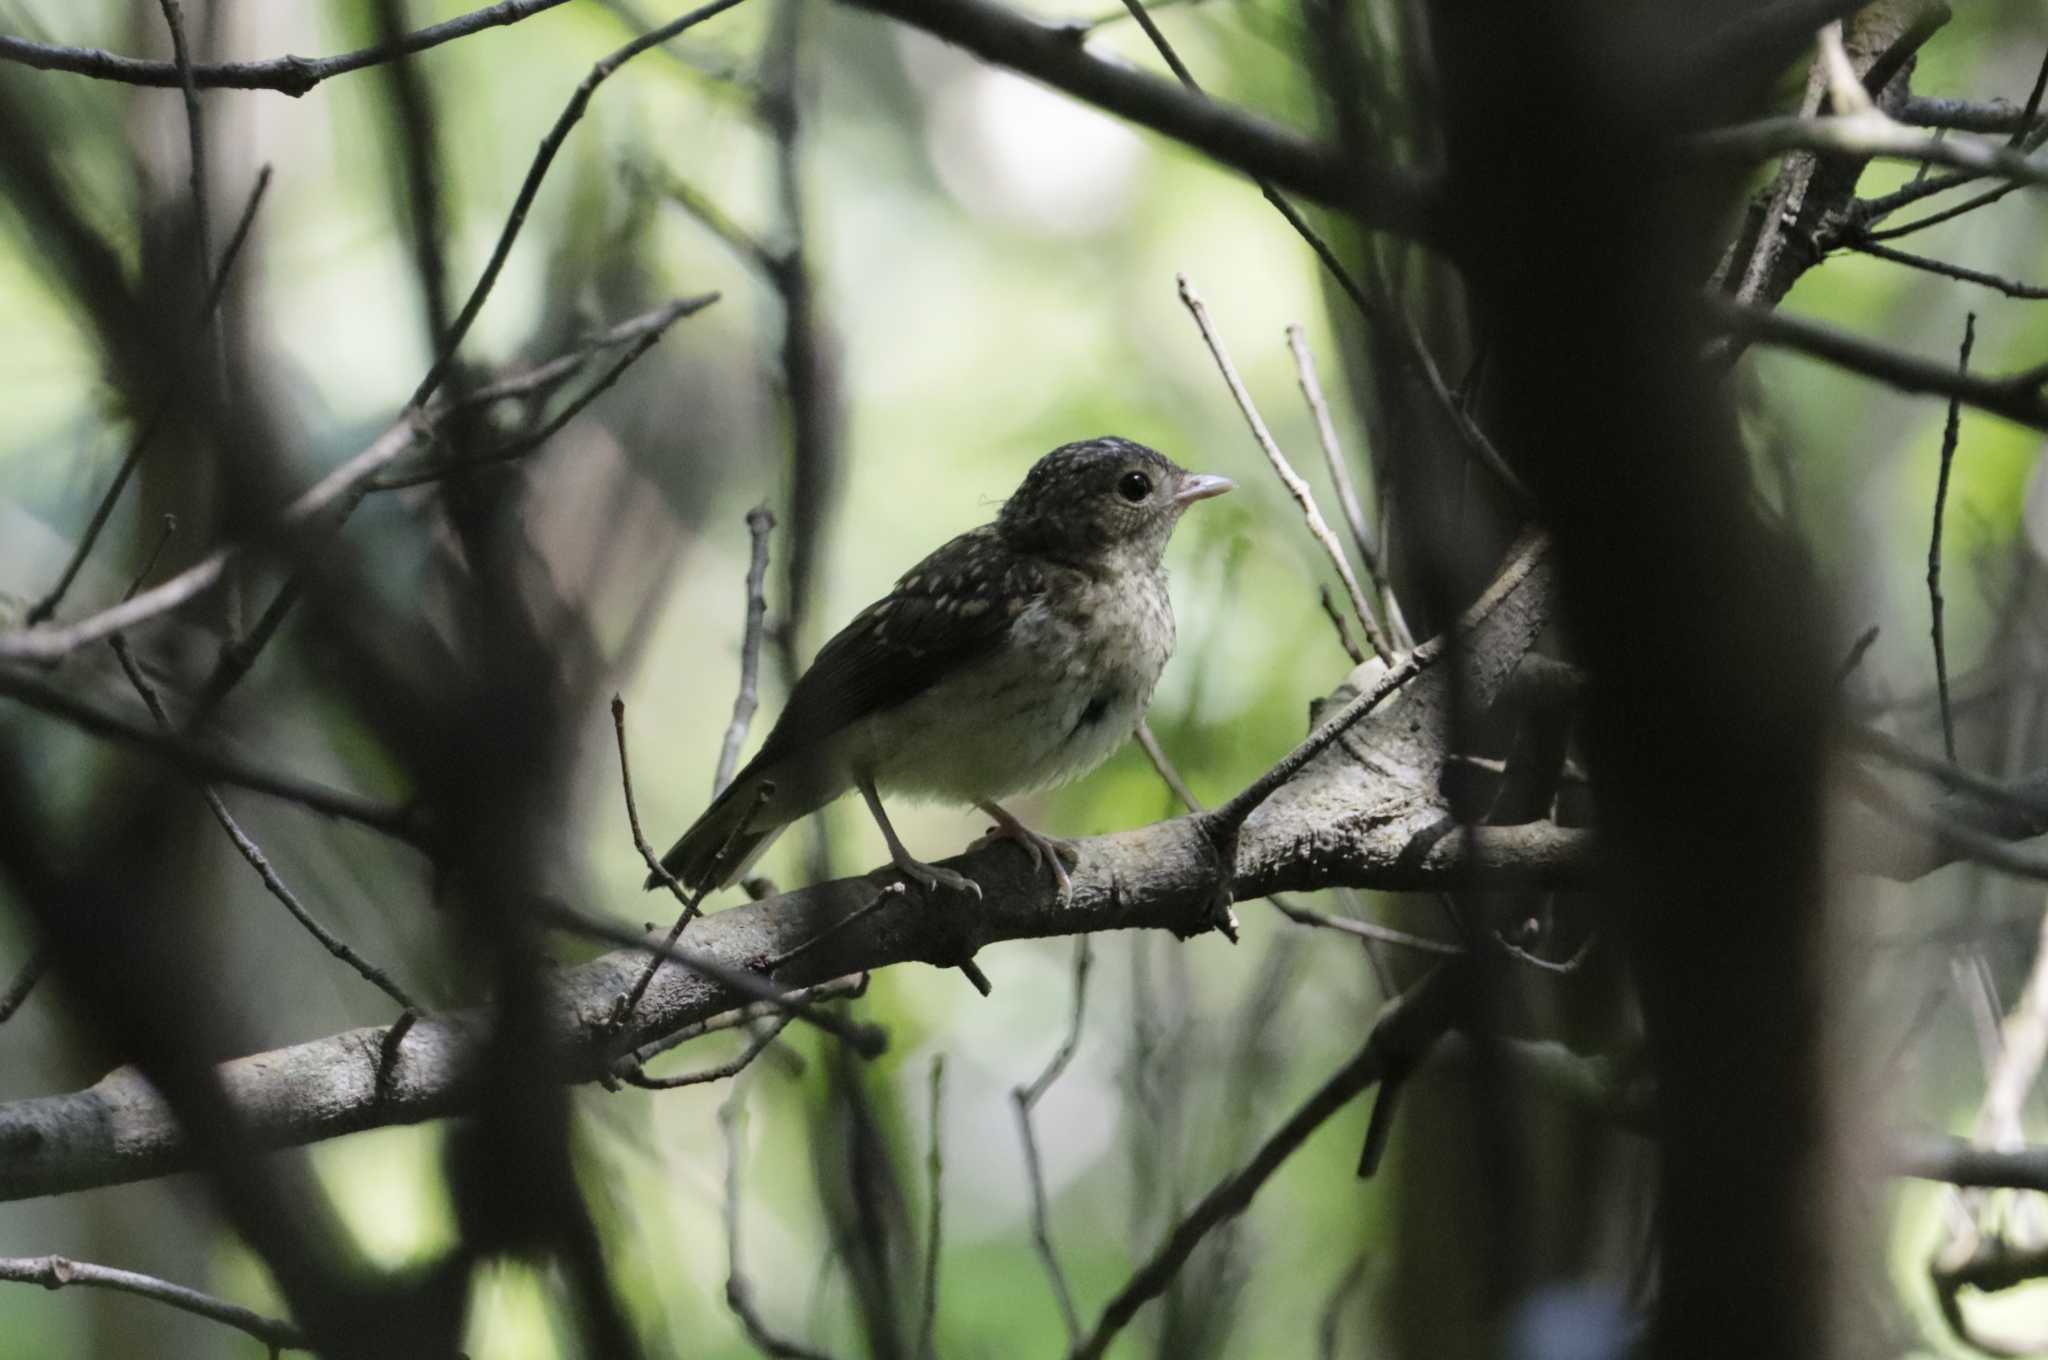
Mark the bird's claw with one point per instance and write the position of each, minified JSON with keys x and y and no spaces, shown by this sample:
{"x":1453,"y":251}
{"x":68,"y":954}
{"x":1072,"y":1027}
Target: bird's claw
{"x":932,"y":877}
{"x":1063,"y":855}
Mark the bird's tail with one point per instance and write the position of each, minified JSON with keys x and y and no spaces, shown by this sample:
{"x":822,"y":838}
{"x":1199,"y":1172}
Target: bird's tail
{"x":726,"y":840}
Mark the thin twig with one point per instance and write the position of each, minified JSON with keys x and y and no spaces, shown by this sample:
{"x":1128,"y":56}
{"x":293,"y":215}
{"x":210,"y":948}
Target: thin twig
{"x":1287,"y":210}
{"x":48,"y":644}
{"x":388,"y":1050}
{"x":689,"y":901}
{"x":571,"y":114}
{"x":2012,"y":288}
{"x":839,"y":989}
{"x":1524,"y":556}
{"x":1024,"y":1099}
{"x":867,"y":1040}
{"x":55,"y":1272}
{"x":522,"y":445}
{"x":759,"y":522}
{"x":1333,"y":1305}
{"x":1304,"y":497}
{"x":253,"y":854}
{"x":934,"y":1171}
{"x":24,"y":982}
{"x":1948,"y":455}
{"x":699,"y":205}
{"x":1169,"y":774}
{"x":639,"y":334}
{"x":47,"y":606}
{"x":206,"y":763}
{"x":1407,"y":1025}
{"x":2016,"y":397}
{"x":195,"y":141}
{"x":287,"y":75}
{"x":1365,"y":930}
{"x":1333,"y":457}
{"x":631,"y":1074}
{"x":886,"y":893}
{"x":1336,"y":617}
{"x":739,"y":1294}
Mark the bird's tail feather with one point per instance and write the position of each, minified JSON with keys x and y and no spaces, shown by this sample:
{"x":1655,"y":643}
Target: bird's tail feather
{"x":722,"y":844}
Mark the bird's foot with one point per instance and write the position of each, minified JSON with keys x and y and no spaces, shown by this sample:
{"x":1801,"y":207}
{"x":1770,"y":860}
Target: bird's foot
{"x":1062,"y":855}
{"x":932,"y":877}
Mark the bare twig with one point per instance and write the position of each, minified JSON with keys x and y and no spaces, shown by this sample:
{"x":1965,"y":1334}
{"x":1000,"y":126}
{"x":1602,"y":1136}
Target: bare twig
{"x":739,"y":1294}
{"x":43,"y":608}
{"x":1364,"y":930}
{"x":887,"y":893}
{"x":2017,"y":398}
{"x":1333,"y":458}
{"x":1318,"y":527}
{"x":253,"y":854}
{"x":1336,"y":617}
{"x":571,"y":114}
{"x":388,"y":1049}
{"x":2012,"y":288}
{"x":287,"y":75}
{"x":1523,"y":557}
{"x":1948,"y":455}
{"x":1869,"y":136}
{"x":1475,"y":439}
{"x":866,"y":1040}
{"x":55,"y":1272}
{"x":1964,"y":115}
{"x":699,"y":205}
{"x":1024,"y":1099}
{"x":1163,"y":763}
{"x":204,"y":762}
{"x":639,"y":334}
{"x":1406,"y":1027}
{"x":934,"y":1171}
{"x":520,"y":446}
{"x":195,"y":142}
{"x":759,"y":522}
{"x":24,"y":982}
{"x":47,"y":644}
{"x":1397,"y":200}
{"x":630,"y":1073}
{"x":1135,"y":10}
{"x":843,"y":989}
{"x":1333,"y":1306}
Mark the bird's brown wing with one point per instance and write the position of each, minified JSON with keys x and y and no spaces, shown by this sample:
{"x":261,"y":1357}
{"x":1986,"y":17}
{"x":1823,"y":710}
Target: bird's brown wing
{"x":950,"y":609}
{"x":953,"y":607}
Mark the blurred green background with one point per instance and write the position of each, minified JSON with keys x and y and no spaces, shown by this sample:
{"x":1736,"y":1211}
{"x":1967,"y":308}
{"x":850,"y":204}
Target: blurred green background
{"x":997,"y":264}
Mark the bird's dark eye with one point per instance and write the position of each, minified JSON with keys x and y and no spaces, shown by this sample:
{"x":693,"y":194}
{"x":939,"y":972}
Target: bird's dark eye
{"x":1134,"y":487}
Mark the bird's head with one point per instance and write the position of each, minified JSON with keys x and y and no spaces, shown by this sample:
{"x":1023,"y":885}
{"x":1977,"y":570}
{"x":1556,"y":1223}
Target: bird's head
{"x":1102,"y":497}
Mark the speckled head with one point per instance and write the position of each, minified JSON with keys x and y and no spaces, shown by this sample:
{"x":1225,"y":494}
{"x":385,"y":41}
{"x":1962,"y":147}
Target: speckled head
{"x":1100,"y":496}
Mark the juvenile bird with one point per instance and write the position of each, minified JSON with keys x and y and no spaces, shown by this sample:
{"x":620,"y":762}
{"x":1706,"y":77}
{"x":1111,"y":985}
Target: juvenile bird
{"x":1016,"y":657}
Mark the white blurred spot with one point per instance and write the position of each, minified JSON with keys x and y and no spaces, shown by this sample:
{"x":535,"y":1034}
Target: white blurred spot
{"x":1014,"y":151}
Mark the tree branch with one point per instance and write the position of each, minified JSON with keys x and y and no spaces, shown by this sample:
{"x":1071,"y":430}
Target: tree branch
{"x":1401,"y":201}
{"x":1365,"y":812}
{"x":55,"y":1272}
{"x":287,"y":74}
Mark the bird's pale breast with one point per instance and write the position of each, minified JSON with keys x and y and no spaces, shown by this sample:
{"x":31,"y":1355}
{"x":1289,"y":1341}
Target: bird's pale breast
{"x":1057,"y":697}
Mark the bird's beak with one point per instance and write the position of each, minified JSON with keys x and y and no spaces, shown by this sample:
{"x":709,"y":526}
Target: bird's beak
{"x":1201,"y":487}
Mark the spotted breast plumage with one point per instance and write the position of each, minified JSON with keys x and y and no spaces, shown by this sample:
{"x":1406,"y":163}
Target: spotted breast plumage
{"x":1017,"y":656}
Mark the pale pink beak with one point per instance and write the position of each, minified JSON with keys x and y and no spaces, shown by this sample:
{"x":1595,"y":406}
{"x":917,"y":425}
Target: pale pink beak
{"x":1201,"y":487}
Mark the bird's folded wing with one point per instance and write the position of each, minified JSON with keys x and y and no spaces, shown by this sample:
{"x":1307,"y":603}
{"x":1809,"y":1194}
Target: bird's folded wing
{"x":951,"y":609}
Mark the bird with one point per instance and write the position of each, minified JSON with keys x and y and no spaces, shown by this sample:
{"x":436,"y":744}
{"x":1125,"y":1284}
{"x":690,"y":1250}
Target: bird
{"x":1014,"y":658}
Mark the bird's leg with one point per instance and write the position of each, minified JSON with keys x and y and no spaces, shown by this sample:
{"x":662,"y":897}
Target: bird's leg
{"x":1038,"y":845}
{"x":929,"y":876}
